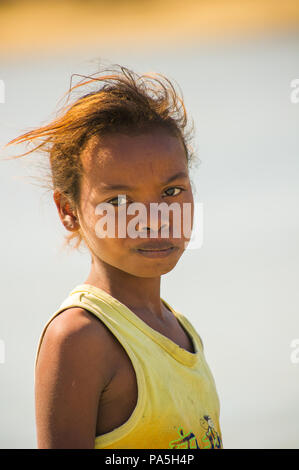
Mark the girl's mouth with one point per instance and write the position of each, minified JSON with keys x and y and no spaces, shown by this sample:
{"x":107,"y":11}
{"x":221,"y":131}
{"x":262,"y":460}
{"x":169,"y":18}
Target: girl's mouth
{"x":156,"y":253}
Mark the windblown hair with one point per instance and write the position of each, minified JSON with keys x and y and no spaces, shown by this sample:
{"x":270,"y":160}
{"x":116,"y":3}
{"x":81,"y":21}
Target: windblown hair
{"x":123,"y":101}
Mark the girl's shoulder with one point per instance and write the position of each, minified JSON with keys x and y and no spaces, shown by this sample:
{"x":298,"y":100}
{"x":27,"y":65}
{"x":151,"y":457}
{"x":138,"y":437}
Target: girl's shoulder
{"x":78,"y":336}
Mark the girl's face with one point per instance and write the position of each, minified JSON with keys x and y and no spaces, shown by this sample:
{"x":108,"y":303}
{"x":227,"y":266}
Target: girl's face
{"x":146,"y":168}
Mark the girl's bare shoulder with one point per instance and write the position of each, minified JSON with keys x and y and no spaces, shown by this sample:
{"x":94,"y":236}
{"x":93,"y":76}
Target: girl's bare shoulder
{"x":77,"y":333}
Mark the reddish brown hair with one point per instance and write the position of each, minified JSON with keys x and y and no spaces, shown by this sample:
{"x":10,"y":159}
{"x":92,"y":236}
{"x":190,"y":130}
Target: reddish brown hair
{"x":122,"y":102}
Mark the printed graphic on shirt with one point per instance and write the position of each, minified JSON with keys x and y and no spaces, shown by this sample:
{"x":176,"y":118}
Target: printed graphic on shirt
{"x":210,"y":440}
{"x":186,"y":441}
{"x":211,"y":436}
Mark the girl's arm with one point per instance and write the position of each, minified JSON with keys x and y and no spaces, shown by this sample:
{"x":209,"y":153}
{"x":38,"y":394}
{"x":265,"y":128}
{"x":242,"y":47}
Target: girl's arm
{"x":72,"y":370}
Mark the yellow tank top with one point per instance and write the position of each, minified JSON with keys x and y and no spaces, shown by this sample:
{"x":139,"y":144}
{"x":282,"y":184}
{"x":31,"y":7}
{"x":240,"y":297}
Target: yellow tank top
{"x":178,"y":405}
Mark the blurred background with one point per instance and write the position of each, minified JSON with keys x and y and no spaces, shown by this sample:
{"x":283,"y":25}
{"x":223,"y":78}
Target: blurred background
{"x":235,"y":62}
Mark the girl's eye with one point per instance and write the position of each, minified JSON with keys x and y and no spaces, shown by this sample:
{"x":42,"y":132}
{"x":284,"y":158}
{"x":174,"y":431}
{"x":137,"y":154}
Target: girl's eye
{"x":121,"y":200}
{"x":173,"y":189}
{"x":118,"y":201}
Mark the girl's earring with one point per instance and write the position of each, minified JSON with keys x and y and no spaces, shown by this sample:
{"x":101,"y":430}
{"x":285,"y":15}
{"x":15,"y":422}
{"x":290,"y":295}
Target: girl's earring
{"x":69,"y":221}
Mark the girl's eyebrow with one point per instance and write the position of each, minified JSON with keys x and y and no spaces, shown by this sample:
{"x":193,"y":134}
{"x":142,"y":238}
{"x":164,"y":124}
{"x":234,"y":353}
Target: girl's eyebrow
{"x":114,"y":187}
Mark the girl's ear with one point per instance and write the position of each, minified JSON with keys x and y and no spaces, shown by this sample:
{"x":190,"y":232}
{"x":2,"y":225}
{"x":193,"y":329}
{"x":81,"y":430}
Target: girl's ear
{"x":67,"y":215}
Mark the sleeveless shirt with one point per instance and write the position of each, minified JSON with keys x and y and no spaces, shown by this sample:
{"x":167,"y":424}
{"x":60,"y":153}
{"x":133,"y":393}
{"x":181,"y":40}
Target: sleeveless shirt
{"x":178,"y":405}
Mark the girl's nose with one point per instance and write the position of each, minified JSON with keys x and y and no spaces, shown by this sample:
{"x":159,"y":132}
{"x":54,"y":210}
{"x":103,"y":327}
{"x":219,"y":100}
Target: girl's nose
{"x":156,"y":223}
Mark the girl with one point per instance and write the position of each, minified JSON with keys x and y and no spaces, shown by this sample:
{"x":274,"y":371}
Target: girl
{"x":116,"y":366}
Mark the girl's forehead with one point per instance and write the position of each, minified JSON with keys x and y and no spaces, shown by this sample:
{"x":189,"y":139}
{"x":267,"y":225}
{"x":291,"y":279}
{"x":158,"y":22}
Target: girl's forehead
{"x":120,"y":153}
{"x":143,"y":164}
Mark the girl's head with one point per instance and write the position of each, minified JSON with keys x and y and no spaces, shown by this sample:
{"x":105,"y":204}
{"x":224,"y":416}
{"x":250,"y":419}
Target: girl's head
{"x":128,"y":137}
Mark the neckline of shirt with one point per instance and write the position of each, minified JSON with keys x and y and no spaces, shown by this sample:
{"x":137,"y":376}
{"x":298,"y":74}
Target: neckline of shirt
{"x":182,"y":355}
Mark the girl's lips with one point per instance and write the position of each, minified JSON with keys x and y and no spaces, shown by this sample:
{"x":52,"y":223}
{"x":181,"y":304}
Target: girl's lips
{"x":156,"y":253}
{"x":152,"y":245}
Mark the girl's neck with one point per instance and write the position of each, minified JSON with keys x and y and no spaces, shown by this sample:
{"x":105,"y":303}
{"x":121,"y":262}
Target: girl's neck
{"x":139,"y":294}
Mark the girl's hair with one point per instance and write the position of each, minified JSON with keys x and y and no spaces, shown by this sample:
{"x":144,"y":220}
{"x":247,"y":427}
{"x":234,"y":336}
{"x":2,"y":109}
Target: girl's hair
{"x":123,"y":101}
